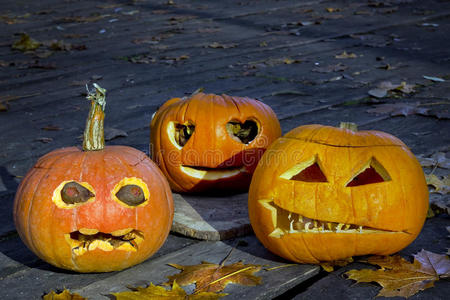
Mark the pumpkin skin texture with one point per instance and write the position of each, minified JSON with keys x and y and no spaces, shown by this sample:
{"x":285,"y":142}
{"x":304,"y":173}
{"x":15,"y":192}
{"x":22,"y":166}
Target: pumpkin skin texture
{"x":106,"y":231}
{"x":321,"y":193}
{"x":209,"y":156}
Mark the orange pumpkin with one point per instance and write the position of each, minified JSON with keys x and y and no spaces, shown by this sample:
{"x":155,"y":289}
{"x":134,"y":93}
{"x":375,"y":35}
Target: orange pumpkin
{"x":209,"y":142}
{"x":321,"y":193}
{"x":95,"y":209}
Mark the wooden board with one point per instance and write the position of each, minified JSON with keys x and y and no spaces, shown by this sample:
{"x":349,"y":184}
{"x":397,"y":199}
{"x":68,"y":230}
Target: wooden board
{"x":274,"y":282}
{"x":211,"y":217}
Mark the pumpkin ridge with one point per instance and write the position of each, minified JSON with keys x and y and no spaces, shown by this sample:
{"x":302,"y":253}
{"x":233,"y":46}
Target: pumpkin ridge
{"x":340,"y":146}
{"x":32,"y":202}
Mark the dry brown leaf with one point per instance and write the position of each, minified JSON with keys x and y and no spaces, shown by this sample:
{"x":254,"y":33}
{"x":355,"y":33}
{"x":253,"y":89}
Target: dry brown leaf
{"x":217,"y":45}
{"x":26,"y":43}
{"x":345,"y":55}
{"x":214,"y":278}
{"x":438,"y":159}
{"x":158,"y":292}
{"x":330,"y":68}
{"x":399,"y":109}
{"x":332,"y":9}
{"x":290,"y":61}
{"x":329,"y":265}
{"x":64,"y":295}
{"x":440,"y":185}
{"x":399,"y":277}
{"x":384,"y":87}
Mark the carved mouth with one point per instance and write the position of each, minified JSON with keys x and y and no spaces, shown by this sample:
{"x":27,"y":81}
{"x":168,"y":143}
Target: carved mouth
{"x":86,"y":239}
{"x":286,"y":222}
{"x":206,"y":173}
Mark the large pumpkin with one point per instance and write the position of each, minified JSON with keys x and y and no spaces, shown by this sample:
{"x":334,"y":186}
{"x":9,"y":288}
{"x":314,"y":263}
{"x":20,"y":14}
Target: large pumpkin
{"x":95,"y":209}
{"x":209,"y":142}
{"x":322,"y":193}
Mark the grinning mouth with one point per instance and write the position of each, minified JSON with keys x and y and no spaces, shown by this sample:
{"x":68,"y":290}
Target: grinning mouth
{"x":86,"y":239}
{"x":206,"y":173}
{"x":286,"y":222}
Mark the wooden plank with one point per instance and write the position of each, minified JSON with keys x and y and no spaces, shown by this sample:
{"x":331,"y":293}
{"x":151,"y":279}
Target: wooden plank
{"x":274,"y":282}
{"x":24,"y":276}
{"x":211,"y":217}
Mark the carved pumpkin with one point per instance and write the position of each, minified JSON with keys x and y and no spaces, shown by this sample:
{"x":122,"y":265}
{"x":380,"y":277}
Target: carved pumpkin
{"x":95,"y":209}
{"x":209,"y":142}
{"x":321,"y":193}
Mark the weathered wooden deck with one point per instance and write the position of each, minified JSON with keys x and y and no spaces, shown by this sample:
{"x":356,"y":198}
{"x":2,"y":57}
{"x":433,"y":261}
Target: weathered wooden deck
{"x":282,"y":52}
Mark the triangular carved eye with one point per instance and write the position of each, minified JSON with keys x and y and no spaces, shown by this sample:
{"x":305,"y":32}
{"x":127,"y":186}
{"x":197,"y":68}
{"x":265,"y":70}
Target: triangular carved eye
{"x":372,"y":172}
{"x":308,"y":171}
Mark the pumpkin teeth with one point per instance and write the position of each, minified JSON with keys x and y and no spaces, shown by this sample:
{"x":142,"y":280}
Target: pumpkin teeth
{"x":289,"y":222}
{"x":82,"y":243}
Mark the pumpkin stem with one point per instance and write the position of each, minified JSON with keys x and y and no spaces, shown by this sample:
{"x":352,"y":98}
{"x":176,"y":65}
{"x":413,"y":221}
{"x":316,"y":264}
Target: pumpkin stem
{"x":94,"y":138}
{"x":349,"y":125}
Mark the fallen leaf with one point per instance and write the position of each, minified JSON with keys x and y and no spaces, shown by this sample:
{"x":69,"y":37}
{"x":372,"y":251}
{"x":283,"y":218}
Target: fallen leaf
{"x":80,"y":19}
{"x":64,"y":295}
{"x":158,"y":292}
{"x":26,"y":43}
{"x":305,"y":23}
{"x":438,"y":79}
{"x":378,"y":93}
{"x":214,"y":278}
{"x":171,"y":60}
{"x":332,"y":9}
{"x":345,"y":55}
{"x":440,"y":185}
{"x":331,"y":68}
{"x":384,"y":87}
{"x":290,"y":61}
{"x":51,"y":128}
{"x":439,"y":204}
{"x":329,"y":265}
{"x":208,"y":30}
{"x":438,"y":159}
{"x":217,"y":45}
{"x":112,"y":133}
{"x":44,"y":140}
{"x":399,"y":109}
{"x":130,"y":13}
{"x":399,"y":277}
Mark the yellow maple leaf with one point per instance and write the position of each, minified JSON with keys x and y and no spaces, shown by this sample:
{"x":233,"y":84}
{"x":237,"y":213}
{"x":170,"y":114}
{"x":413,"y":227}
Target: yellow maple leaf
{"x":154,"y":292}
{"x":441,"y":186}
{"x":399,"y":277}
{"x":329,"y":265}
{"x":64,"y":295}
{"x":345,"y":55}
{"x":214,"y":278}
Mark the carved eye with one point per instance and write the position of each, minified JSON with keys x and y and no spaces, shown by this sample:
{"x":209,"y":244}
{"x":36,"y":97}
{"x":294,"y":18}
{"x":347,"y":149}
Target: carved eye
{"x":131,"y":195}
{"x":180,"y":134}
{"x":372,"y":172}
{"x":74,"y":193}
{"x":242,"y":132}
{"x":131,"y":192}
{"x":308,"y":171}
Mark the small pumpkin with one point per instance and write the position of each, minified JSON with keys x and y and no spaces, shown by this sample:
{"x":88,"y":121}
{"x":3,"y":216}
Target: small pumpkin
{"x":209,"y":142}
{"x":321,"y":193}
{"x":95,"y":209}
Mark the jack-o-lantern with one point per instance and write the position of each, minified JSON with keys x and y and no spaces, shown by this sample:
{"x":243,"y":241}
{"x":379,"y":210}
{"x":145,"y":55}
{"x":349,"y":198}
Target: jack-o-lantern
{"x":208,"y":142}
{"x":321,"y":193}
{"x":96,"y":209}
